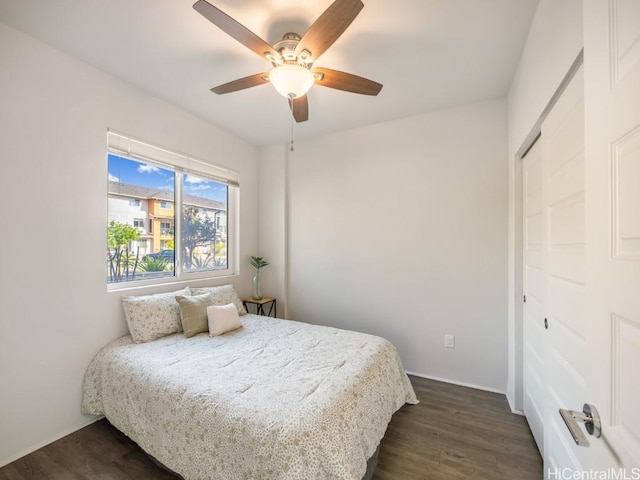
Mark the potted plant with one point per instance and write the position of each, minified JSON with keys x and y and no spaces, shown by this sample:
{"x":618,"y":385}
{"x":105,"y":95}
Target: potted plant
{"x":257,"y":263}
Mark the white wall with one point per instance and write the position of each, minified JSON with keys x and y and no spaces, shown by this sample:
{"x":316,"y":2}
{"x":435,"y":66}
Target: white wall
{"x":400,"y":230}
{"x":273,"y":212}
{"x":55,"y":311}
{"x":554,"y":42}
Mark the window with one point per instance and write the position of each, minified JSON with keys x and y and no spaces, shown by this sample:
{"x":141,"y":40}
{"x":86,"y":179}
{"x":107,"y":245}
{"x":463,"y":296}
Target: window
{"x":166,"y":228}
{"x":187,"y":203}
{"x":134,"y":202}
{"x":204,"y":242}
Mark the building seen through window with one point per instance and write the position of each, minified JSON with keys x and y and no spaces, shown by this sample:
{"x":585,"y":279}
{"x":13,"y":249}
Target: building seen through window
{"x":163,"y":222}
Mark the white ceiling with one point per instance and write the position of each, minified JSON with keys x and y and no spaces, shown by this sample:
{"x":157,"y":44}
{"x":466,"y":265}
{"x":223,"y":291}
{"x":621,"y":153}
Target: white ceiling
{"x":429,"y":54}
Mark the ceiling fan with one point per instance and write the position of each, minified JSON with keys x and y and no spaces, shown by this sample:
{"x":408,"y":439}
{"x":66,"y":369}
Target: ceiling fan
{"x":293,"y":73}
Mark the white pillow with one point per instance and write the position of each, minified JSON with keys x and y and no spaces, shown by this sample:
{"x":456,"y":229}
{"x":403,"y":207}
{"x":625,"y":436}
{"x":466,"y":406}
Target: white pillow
{"x":153,"y":316}
{"x":222,"y":319}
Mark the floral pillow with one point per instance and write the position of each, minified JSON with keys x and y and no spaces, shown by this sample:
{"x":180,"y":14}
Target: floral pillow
{"x":153,"y":316}
{"x":222,"y":295}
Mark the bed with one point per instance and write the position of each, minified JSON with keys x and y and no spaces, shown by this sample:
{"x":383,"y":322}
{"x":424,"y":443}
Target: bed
{"x":274,"y":399}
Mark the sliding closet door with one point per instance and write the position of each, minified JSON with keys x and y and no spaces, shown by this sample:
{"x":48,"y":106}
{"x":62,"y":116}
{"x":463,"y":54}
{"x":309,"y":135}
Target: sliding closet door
{"x":565,"y":261}
{"x":534,"y":335}
{"x":554,"y":278}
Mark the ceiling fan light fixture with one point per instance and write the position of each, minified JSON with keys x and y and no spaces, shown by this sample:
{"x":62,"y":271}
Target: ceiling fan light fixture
{"x":291,"y":81}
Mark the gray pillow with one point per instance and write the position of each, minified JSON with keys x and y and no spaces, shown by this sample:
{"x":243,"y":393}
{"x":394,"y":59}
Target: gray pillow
{"x":193,"y":313}
{"x":222,"y":295}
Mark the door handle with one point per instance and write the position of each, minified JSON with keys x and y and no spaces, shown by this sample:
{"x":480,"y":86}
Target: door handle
{"x":591,"y":419}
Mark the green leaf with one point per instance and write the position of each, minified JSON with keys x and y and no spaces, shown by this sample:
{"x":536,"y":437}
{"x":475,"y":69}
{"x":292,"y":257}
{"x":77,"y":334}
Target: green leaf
{"x":258,"y":262}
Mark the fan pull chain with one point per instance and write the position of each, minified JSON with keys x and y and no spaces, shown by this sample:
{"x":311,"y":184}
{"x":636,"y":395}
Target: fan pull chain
{"x":291,"y":149}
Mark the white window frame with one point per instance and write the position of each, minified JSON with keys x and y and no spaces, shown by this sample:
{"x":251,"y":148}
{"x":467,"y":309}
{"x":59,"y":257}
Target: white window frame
{"x":126,"y":146}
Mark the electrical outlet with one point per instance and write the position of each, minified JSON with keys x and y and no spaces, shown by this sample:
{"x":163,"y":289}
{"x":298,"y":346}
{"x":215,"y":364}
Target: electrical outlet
{"x":449,"y":341}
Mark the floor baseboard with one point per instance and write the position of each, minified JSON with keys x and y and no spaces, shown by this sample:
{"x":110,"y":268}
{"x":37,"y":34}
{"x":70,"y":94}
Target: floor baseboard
{"x":461,"y":384}
{"x":38,"y":446}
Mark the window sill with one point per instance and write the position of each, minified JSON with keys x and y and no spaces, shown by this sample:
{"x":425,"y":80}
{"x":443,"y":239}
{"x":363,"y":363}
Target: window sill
{"x":182,"y":281}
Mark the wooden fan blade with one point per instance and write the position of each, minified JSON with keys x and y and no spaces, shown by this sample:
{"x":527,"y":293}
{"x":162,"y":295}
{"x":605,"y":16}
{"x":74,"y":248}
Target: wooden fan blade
{"x":300,"y":108}
{"x":347,"y":82}
{"x":233,"y":28}
{"x":242,"y":83}
{"x":329,"y":26}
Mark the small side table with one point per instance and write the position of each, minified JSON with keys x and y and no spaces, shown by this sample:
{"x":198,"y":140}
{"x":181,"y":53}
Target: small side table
{"x":260,"y":306}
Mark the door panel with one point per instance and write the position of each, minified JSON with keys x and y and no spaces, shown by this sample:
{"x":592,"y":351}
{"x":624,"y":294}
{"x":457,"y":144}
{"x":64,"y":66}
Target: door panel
{"x":568,"y":265}
{"x":554,"y":277}
{"x":612,"y":82}
{"x":535,"y":281}
{"x":626,"y":354}
{"x":566,"y":223}
{"x":566,"y":301}
{"x":534,"y":342}
{"x":564,"y":138}
{"x":563,"y":181}
{"x":561,"y":455}
{"x":567,"y":183}
{"x":626,"y":196}
{"x":624,"y":18}
{"x":573,"y":346}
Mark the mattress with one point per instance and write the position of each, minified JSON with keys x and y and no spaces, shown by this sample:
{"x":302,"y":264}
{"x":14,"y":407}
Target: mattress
{"x":275,"y":399}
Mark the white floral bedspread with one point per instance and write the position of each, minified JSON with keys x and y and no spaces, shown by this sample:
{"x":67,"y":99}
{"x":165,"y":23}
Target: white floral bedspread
{"x":275,"y":399}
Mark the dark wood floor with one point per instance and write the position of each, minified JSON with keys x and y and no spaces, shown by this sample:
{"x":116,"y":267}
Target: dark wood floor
{"x":457,"y":433}
{"x":454,"y":433}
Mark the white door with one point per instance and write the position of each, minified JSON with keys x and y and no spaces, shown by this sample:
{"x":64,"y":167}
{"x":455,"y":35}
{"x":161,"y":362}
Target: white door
{"x":612,"y":93}
{"x":534,"y":353}
{"x":563,"y":187}
{"x":554,"y":277}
